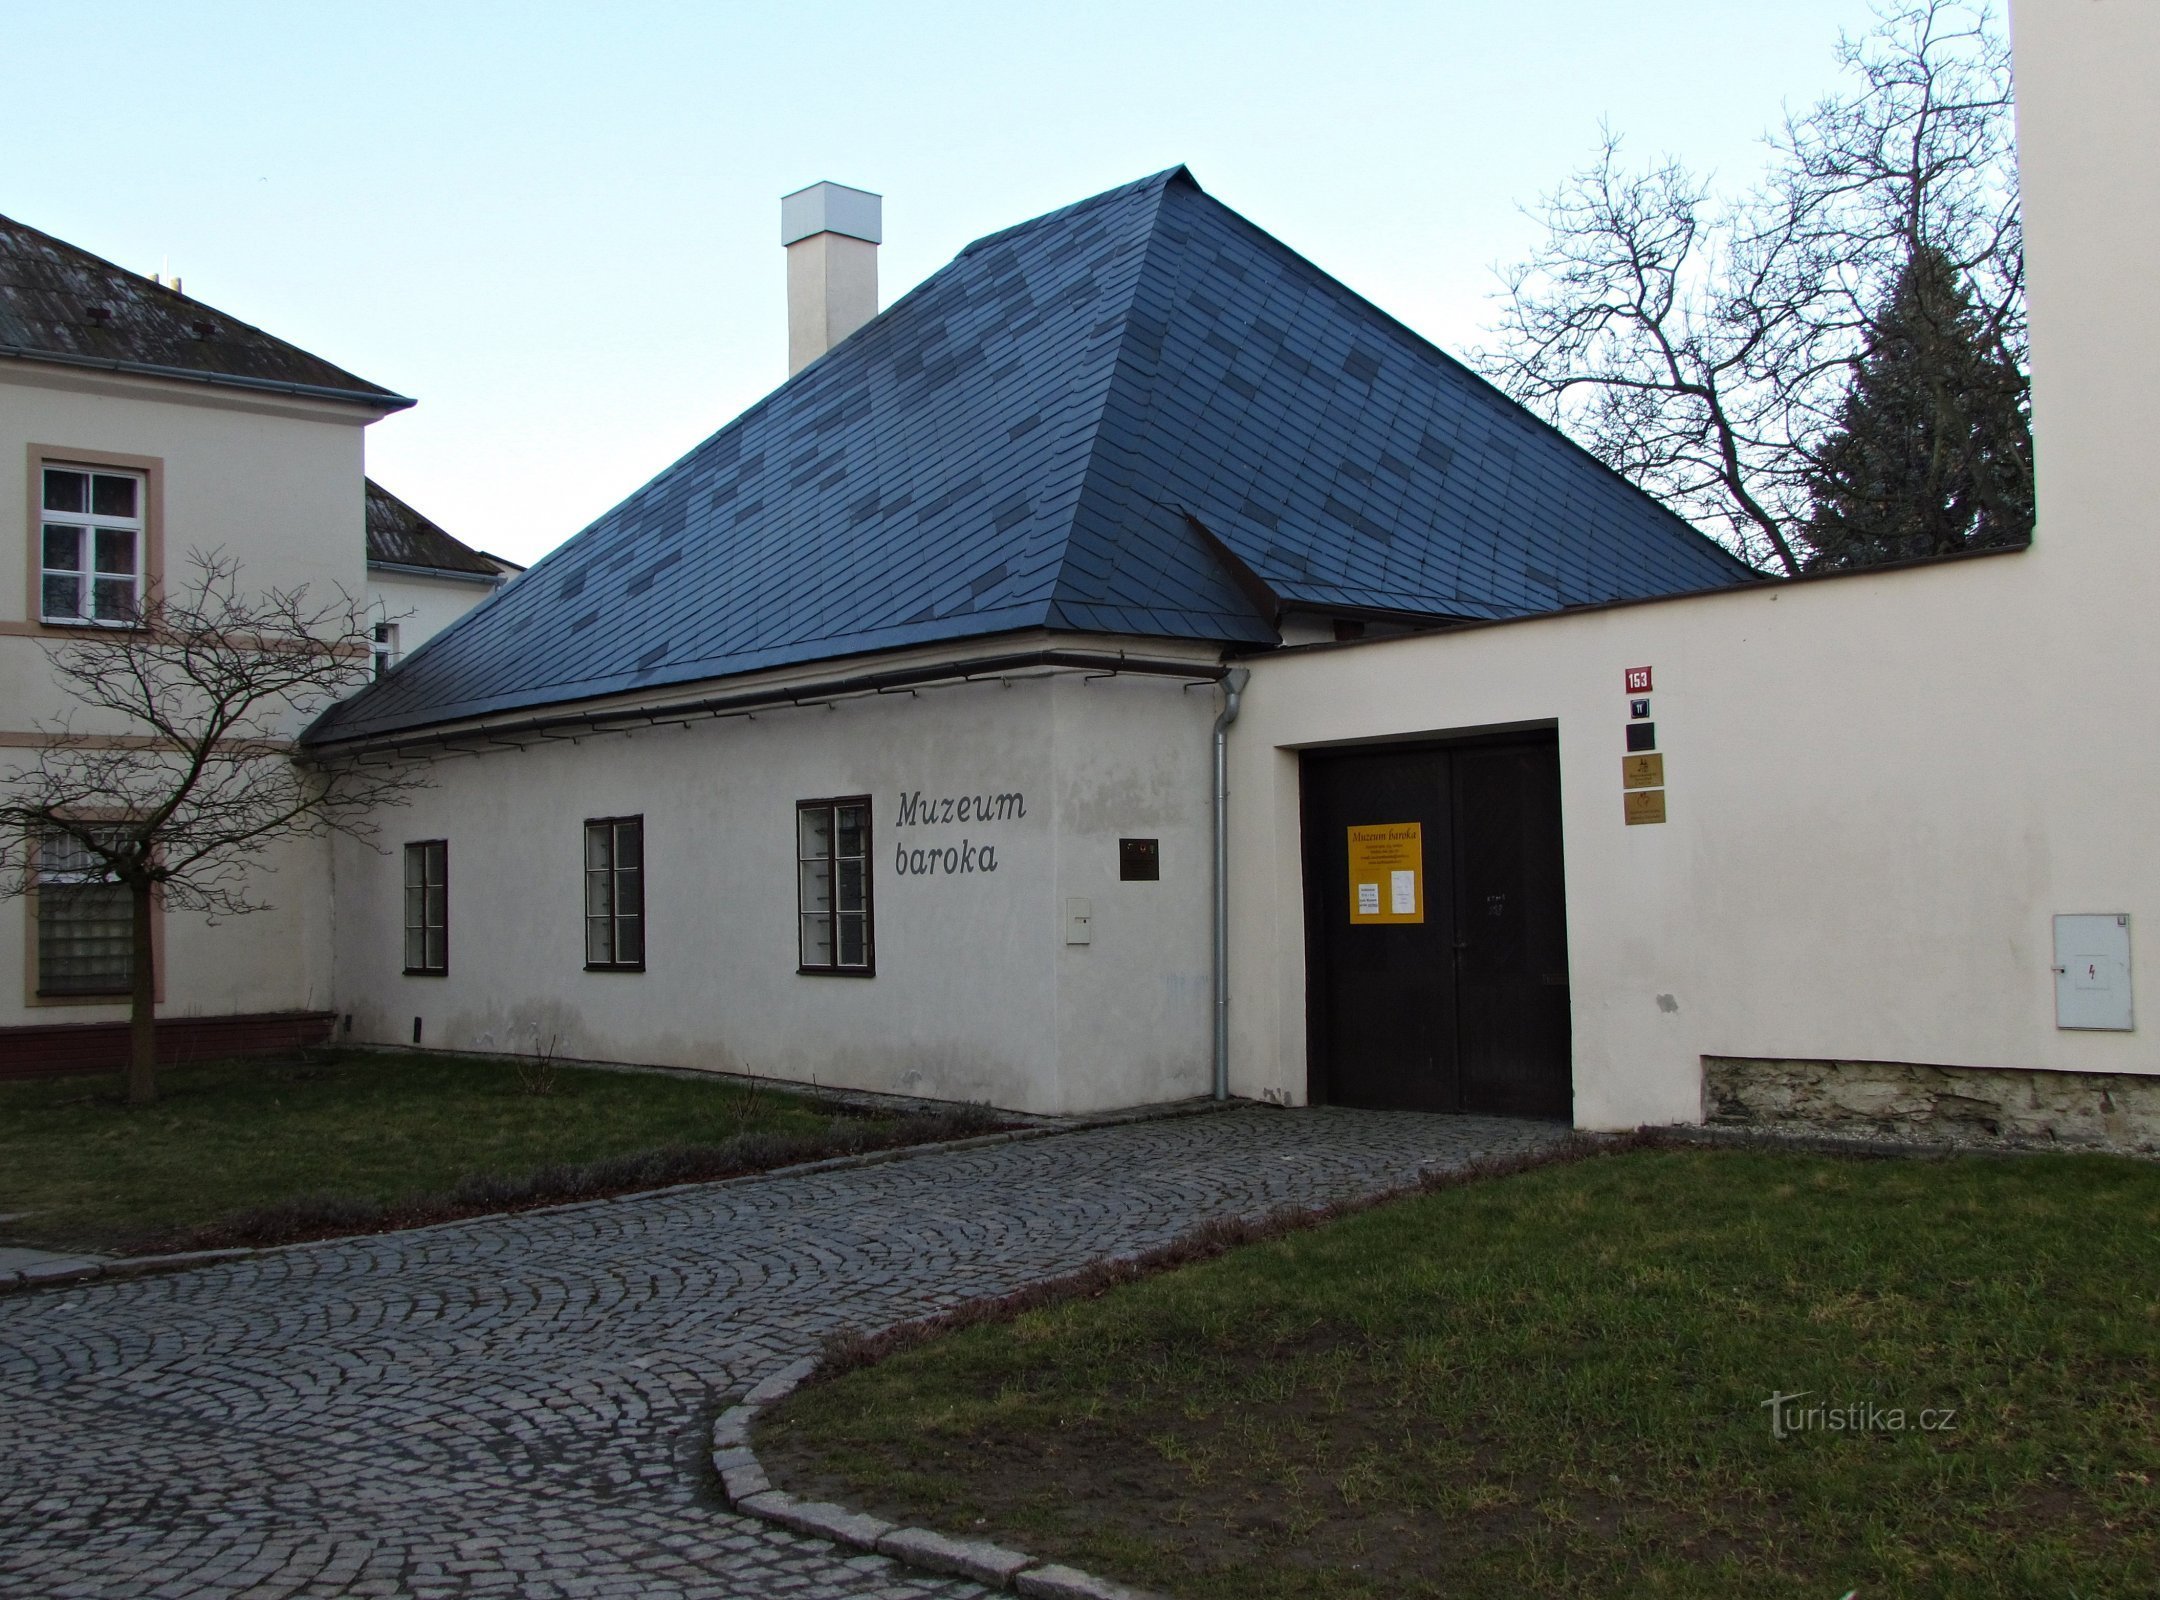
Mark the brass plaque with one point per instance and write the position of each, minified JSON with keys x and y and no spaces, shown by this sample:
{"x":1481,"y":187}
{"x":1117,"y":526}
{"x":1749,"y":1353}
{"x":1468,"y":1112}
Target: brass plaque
{"x":1644,"y":805}
{"x":1642,"y":772}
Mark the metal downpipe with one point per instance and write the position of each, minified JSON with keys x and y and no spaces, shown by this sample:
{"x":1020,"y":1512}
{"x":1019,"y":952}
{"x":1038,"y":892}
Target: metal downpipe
{"x":1233,"y":685}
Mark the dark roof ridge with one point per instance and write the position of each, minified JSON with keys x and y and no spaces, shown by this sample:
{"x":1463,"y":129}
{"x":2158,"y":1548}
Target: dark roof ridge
{"x":1165,"y":178}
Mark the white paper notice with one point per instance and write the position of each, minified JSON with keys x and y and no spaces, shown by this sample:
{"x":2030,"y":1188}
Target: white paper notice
{"x":1368,"y":899}
{"x":1402,"y":893}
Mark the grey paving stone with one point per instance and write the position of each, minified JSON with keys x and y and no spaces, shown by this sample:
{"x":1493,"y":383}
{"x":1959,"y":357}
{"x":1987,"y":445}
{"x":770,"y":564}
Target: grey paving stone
{"x":526,"y":1404}
{"x":986,"y":1563}
{"x":1066,"y":1583}
{"x":744,"y":1479}
{"x":732,"y":1426}
{"x":819,"y":1518}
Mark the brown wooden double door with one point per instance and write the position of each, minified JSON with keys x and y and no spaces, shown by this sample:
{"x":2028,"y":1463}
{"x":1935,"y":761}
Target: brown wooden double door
{"x":1466,"y":1009}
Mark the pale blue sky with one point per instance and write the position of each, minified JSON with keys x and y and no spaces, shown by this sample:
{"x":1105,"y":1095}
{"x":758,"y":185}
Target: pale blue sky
{"x":558,"y":225}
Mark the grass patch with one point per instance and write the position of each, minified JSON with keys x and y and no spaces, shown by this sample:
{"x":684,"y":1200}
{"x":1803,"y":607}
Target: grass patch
{"x":255,"y":1152}
{"x":1552,"y":1384}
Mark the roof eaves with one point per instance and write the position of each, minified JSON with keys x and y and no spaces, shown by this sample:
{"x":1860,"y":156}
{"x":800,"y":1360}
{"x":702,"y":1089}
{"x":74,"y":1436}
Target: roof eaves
{"x":453,"y":574}
{"x":378,"y":399}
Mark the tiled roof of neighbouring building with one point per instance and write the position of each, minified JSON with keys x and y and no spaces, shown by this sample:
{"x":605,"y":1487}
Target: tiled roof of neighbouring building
{"x":62,"y":304}
{"x":401,"y":536}
{"x":1028,"y":440}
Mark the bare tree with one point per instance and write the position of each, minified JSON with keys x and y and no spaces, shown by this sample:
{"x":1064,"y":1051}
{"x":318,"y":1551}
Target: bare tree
{"x":191,"y":768}
{"x":1703,"y":346}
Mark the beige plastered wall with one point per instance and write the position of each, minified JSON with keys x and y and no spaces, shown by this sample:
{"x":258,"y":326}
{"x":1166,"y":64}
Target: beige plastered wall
{"x":277,"y":485}
{"x":420,"y":607}
{"x":977,"y":995}
{"x":1881,"y":788}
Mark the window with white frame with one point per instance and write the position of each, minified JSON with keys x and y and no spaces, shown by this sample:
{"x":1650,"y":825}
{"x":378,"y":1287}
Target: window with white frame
{"x":832,"y":886}
{"x":615,"y":894}
{"x":85,"y":923}
{"x":427,"y":908}
{"x":385,"y":647}
{"x":91,"y":541}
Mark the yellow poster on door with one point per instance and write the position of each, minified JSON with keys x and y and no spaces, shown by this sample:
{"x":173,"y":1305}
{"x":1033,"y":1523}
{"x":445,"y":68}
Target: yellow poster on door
{"x":1387,"y":872}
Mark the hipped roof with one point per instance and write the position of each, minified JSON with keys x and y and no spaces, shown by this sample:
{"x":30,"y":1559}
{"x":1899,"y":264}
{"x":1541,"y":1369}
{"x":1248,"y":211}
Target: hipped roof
{"x":1136,"y":415}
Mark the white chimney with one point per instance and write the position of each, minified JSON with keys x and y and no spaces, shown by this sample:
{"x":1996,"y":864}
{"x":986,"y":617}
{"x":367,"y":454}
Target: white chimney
{"x":832,"y":233}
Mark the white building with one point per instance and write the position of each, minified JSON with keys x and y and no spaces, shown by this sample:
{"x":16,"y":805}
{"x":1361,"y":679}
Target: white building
{"x":872,"y":743}
{"x":419,"y":578}
{"x":138,"y":426}
{"x":1903,"y":871}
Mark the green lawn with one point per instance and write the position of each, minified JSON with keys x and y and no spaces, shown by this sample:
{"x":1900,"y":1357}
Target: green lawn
{"x":359,"y":1140}
{"x":1554,"y":1384}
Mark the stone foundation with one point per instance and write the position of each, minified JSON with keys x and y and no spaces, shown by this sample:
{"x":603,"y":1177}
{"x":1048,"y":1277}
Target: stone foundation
{"x":2005,"y":1107}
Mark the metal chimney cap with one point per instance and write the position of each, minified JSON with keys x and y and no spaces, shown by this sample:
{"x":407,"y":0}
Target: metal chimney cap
{"x":832,"y":208}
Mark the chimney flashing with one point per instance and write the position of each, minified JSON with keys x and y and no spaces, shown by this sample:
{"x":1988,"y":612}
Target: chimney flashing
{"x":832,"y":208}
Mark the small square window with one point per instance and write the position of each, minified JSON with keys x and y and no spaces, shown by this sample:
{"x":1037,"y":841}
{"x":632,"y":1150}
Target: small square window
{"x":832,"y":887}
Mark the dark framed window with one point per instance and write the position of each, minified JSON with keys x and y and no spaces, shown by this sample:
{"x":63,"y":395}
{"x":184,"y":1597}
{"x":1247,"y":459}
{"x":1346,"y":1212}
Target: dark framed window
{"x":427,"y":908}
{"x":85,"y":922}
{"x":832,"y":887}
{"x":615,"y":894}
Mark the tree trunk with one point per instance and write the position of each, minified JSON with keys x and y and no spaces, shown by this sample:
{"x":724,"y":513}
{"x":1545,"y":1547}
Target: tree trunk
{"x":142,"y":1018}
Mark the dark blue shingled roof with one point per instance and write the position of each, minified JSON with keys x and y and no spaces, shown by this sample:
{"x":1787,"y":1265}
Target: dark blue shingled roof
{"x":1027,"y":440}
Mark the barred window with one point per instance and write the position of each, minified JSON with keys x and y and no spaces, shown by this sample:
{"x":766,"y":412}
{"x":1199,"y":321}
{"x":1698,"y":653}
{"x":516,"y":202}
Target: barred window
{"x":832,"y":886}
{"x":85,"y":927}
{"x":427,"y":907}
{"x":615,"y":894}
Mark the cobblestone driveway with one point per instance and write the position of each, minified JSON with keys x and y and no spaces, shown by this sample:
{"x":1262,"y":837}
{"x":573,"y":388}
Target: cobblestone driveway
{"x":520,"y":1405}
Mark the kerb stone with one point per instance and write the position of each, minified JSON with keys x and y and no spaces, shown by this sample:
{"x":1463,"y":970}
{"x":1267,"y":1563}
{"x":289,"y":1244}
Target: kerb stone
{"x":985,"y":1563}
{"x":1069,"y":1583}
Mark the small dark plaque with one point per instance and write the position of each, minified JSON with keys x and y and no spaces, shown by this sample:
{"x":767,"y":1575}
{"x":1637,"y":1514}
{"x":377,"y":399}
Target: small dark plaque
{"x":1642,"y":736}
{"x":1638,"y":709}
{"x":1139,"y":860}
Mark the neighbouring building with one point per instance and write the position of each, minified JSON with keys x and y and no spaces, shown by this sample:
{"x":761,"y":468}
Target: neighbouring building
{"x":419,"y":578}
{"x":137,"y":426}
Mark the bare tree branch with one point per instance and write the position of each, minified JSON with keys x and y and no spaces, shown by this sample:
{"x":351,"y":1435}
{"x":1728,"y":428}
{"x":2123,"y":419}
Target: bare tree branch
{"x":1703,"y":348}
{"x":187,"y":770}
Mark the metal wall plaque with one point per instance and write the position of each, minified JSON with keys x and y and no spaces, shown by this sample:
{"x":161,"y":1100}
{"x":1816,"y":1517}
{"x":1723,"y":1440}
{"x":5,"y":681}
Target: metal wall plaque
{"x":1642,"y":736}
{"x":1642,"y":772}
{"x":1644,"y":805}
{"x":1139,"y":860}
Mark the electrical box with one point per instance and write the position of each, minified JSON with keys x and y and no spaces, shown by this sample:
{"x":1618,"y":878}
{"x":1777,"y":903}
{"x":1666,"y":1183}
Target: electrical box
{"x":1079,"y":920}
{"x":2092,"y":971}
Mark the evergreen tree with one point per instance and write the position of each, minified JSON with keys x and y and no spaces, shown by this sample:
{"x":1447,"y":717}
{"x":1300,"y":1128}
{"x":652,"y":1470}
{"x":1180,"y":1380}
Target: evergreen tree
{"x":1932,"y":452}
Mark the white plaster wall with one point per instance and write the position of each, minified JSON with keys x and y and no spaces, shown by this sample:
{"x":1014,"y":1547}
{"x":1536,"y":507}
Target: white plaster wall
{"x":1881,"y":787}
{"x":420,"y":607}
{"x":1135,"y":1019}
{"x":276,"y":485}
{"x":974,"y":986}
